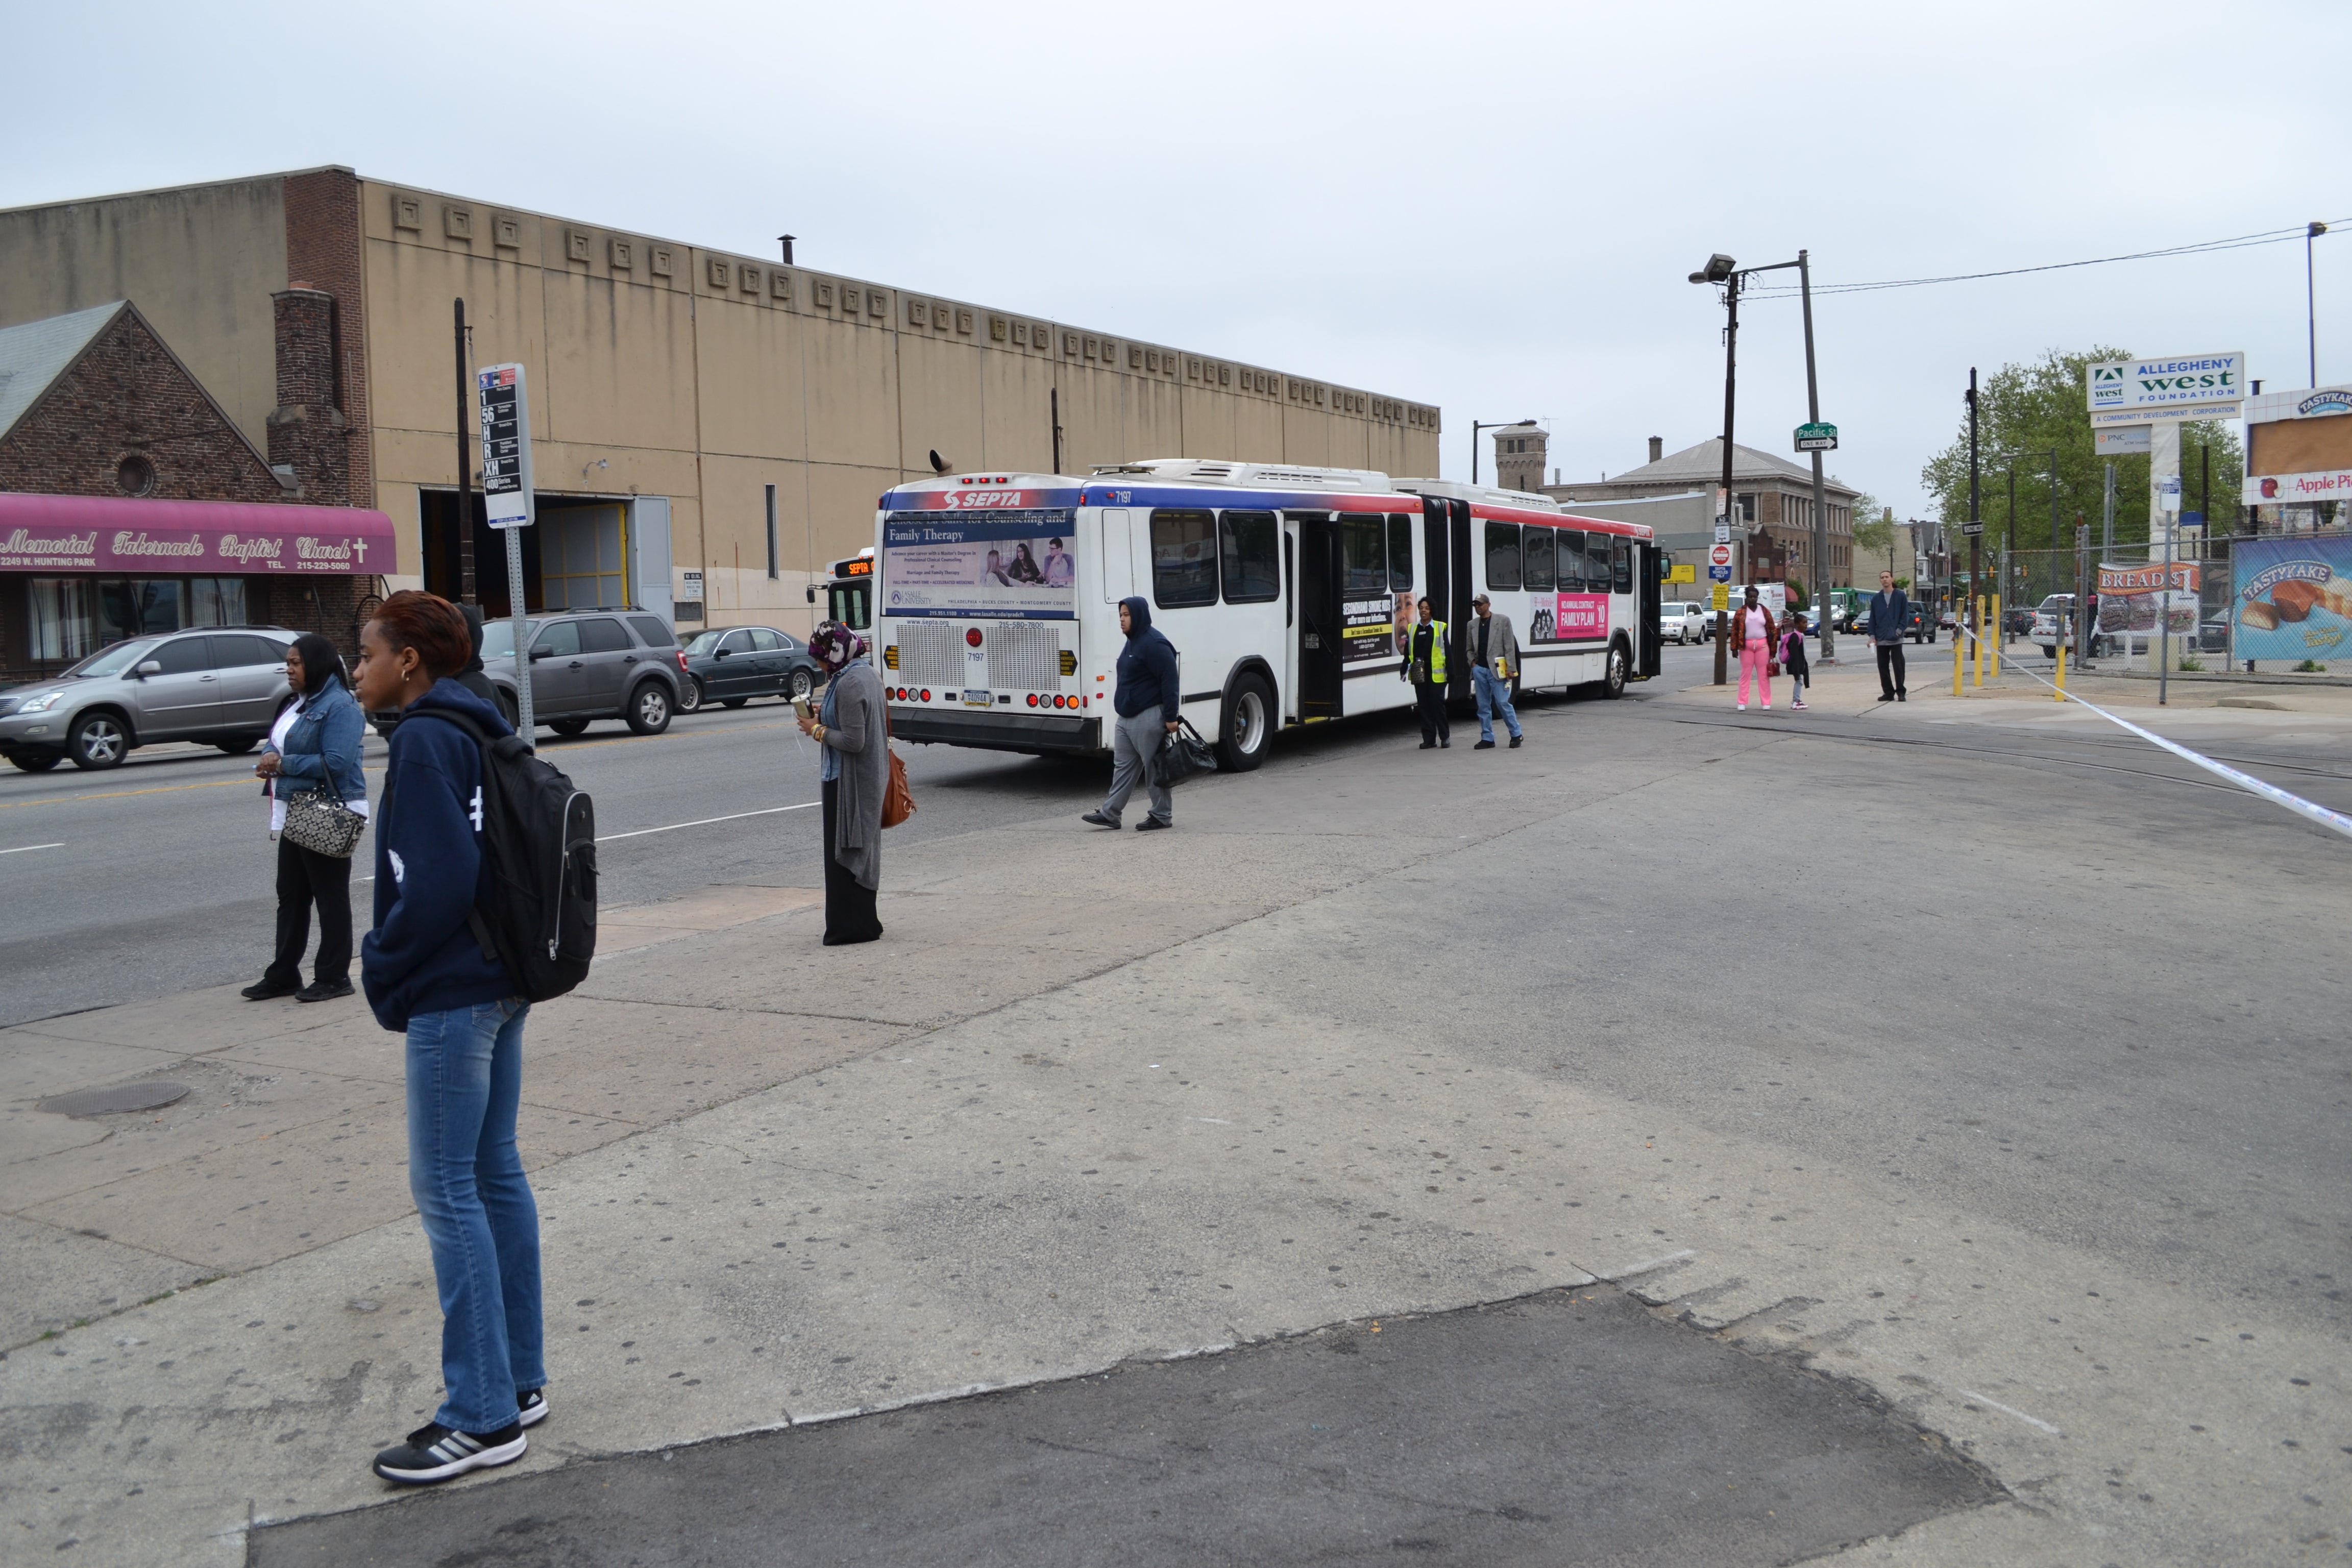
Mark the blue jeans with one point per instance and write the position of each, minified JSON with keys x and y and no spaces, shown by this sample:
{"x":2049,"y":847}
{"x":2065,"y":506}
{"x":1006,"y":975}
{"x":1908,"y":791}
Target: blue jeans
{"x":1493,"y":694}
{"x":465,"y":1083}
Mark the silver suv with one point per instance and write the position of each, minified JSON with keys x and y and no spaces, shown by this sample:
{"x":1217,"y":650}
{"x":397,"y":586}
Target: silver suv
{"x":585,"y":665}
{"x":223,"y":686}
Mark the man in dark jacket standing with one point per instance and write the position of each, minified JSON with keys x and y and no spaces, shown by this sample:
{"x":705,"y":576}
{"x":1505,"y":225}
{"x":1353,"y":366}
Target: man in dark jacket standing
{"x":1890,"y":617}
{"x":1145,"y":705}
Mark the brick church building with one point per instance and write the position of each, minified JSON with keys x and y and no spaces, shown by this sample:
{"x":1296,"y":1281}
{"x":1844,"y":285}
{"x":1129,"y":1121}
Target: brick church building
{"x":131,"y":502}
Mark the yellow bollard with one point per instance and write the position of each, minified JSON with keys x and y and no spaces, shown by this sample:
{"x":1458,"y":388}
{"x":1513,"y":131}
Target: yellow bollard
{"x":2060,"y":695}
{"x":1960,"y":645}
{"x":1998,"y":634}
{"x":1974,"y":621}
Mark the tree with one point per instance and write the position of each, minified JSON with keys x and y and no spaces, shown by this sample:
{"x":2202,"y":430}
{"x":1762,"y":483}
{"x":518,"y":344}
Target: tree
{"x":1874,"y":537}
{"x":2026,"y":410}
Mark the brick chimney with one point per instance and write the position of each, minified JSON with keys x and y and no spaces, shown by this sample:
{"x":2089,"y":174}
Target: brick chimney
{"x":1657,"y":447}
{"x":308,"y":432}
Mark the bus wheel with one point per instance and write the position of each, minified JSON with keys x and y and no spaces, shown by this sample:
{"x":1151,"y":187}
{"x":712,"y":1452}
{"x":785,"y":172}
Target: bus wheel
{"x":1613,"y":685}
{"x":1247,"y":726}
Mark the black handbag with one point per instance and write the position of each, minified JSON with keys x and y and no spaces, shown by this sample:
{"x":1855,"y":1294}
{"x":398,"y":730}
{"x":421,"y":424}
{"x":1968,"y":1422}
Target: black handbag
{"x":1181,"y":754}
{"x":317,"y":820}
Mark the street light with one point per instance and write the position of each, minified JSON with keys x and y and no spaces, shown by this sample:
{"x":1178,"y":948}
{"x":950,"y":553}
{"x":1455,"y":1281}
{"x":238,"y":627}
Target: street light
{"x":1477,"y":425}
{"x":1722,"y":269}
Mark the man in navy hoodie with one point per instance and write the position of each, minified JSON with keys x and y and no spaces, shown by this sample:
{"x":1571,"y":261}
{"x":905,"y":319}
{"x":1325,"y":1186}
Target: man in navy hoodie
{"x":1145,"y":704}
{"x":426,"y":973}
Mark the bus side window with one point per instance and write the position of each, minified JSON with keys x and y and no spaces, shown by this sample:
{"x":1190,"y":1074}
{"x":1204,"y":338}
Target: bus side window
{"x":1361,"y":547}
{"x":1253,"y":574}
{"x":1538,"y":553}
{"x":1570,"y":551}
{"x":1183,"y":559}
{"x":1502,"y":556}
{"x":1596,"y":563}
{"x":1622,"y":564}
{"x":1399,"y":550}
{"x":1118,"y":581}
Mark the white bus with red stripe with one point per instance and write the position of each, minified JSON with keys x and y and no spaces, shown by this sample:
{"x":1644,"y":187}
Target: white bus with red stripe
{"x":1285,"y":591}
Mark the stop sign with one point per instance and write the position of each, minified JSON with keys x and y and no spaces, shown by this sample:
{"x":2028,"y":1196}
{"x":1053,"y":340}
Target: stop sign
{"x":1720,"y":556}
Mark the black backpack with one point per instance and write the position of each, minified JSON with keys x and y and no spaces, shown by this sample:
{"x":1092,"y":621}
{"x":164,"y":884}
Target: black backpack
{"x":539,"y":835}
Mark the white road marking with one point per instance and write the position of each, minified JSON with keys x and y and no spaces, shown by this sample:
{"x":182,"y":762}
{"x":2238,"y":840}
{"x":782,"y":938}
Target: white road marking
{"x":22,"y":848}
{"x":706,"y":821}
{"x":2005,"y":1410}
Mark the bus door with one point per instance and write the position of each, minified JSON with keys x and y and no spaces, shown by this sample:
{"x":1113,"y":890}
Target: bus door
{"x":1647,"y":567}
{"x":1319,"y":626}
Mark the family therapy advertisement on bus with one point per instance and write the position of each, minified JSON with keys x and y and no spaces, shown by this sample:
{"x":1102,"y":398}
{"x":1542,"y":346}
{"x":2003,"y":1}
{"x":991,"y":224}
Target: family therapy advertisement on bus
{"x":2291,"y":597}
{"x":1014,"y":564}
{"x":1571,"y":617}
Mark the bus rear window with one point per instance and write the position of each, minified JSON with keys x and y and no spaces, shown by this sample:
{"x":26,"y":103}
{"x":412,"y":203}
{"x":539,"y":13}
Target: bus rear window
{"x":1183,"y":559}
{"x":1399,"y":550}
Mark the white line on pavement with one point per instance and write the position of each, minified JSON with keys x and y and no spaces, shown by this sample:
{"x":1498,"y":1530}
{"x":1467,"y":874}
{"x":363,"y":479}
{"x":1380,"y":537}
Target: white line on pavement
{"x":21,"y":848}
{"x":2005,"y":1410}
{"x":706,"y":821}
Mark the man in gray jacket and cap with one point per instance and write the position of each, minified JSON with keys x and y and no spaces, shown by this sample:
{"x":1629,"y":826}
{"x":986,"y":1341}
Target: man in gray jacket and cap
{"x":1494,"y":655}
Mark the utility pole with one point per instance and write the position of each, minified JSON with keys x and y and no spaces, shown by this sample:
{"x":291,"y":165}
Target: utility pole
{"x":2311,"y":296}
{"x":1730,"y":379}
{"x":1054,"y":406}
{"x":1820,"y":509}
{"x":465,"y":586}
{"x":1976,"y":514}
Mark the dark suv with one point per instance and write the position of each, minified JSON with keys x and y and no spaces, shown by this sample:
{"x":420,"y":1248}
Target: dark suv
{"x":591,"y":664}
{"x":220,"y":686}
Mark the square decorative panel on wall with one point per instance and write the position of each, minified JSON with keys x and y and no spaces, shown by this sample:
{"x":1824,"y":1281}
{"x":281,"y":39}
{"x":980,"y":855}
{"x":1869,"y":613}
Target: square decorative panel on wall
{"x":506,"y":233}
{"x":660,"y":261}
{"x":407,"y":211}
{"x":575,"y":246}
{"x":622,"y":253}
{"x":456,"y":222}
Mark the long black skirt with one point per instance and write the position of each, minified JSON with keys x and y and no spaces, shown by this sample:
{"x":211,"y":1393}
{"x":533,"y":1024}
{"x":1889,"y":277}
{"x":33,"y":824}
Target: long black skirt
{"x":849,"y":913}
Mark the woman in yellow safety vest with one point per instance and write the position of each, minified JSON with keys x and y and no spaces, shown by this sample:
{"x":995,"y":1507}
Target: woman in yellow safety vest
{"x":1425,"y":665}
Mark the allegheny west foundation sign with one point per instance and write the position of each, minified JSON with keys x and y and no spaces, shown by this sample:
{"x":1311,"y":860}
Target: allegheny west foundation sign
{"x":2188,"y":386}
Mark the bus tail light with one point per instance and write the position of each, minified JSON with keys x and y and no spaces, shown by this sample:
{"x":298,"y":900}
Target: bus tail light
{"x":971,"y":637}
{"x":927,"y":694}
{"x":1032,"y":699}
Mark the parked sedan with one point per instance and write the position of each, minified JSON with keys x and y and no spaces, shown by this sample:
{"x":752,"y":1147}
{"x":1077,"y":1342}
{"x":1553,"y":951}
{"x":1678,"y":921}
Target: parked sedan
{"x":730,"y":666}
{"x":222,"y":686}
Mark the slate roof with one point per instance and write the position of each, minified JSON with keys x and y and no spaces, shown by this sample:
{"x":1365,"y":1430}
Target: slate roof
{"x":1702,"y":465}
{"x":32,"y":356}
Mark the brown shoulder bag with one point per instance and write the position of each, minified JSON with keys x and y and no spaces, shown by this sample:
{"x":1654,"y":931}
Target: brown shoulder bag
{"x":898,"y":800}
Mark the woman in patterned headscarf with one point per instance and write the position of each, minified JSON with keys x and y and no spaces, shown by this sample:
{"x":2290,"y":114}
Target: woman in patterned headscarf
{"x":856,"y":775}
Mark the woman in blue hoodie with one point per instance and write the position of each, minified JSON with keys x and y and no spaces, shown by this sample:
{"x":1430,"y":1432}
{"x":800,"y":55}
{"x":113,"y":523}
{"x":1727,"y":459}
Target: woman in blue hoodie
{"x":425,"y":973}
{"x":315,"y":743}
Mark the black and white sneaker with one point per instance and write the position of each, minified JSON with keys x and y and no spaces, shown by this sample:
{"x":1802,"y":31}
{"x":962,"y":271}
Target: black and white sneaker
{"x":437,"y":1453}
{"x":534,"y":1408}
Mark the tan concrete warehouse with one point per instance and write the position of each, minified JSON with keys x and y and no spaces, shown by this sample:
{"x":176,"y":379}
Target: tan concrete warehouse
{"x":694,"y":410}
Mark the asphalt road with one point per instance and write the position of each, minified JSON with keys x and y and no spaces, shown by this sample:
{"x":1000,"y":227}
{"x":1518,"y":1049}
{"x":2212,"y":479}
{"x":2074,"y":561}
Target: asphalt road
{"x":158,"y":876}
{"x":1449,"y":1439}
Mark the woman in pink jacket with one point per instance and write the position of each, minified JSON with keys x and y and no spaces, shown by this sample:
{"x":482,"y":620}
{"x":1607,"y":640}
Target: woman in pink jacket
{"x":1753,"y":633}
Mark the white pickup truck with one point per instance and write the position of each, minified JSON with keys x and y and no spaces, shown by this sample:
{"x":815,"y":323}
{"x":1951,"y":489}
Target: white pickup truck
{"x":1682,"y":621}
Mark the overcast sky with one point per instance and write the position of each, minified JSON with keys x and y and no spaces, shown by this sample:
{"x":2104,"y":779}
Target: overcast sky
{"x":1491,"y":209}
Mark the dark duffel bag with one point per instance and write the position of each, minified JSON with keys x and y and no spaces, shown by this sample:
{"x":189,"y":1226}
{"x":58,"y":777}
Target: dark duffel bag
{"x":1181,"y":754}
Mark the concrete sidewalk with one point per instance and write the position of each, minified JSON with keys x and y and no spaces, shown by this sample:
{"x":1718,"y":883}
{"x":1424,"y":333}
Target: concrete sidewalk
{"x":1097,"y":1097}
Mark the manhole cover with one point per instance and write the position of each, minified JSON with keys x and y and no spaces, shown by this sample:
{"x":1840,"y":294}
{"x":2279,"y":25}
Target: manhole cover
{"x":113,"y":1101}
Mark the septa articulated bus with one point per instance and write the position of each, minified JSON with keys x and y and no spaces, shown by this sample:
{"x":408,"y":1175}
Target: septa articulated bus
{"x":1287,"y":592}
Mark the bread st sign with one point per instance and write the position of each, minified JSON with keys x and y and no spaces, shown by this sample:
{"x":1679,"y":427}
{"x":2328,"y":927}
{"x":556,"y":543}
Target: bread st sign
{"x":2188,"y":386}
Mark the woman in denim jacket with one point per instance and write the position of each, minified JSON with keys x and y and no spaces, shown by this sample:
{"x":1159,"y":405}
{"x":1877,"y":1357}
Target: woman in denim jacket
{"x":315,"y":742}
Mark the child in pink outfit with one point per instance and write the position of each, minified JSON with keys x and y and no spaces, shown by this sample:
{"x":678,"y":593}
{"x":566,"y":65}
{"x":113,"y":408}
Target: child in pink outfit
{"x":1752,"y":633}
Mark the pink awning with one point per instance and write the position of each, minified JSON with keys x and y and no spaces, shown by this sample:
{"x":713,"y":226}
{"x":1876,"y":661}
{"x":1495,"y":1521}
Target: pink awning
{"x":164,"y":537}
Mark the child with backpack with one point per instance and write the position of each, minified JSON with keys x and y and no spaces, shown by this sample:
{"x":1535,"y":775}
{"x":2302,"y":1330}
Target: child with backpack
{"x":1792,"y":659}
{"x":429,"y":970}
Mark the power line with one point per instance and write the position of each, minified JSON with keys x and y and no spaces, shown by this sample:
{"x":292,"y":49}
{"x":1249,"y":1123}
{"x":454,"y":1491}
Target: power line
{"x":2237,"y":242}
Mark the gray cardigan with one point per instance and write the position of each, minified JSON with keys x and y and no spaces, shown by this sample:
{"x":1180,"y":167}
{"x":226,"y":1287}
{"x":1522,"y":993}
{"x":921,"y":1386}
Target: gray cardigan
{"x":858,"y":733}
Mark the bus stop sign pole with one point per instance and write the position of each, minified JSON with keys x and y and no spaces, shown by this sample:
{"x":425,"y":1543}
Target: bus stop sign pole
{"x":506,"y":495}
